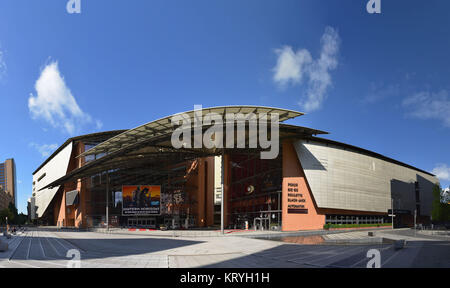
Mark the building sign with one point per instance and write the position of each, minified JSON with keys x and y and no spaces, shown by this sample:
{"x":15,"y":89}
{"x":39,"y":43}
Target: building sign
{"x":399,"y":211}
{"x":143,"y":200}
{"x":296,"y":200}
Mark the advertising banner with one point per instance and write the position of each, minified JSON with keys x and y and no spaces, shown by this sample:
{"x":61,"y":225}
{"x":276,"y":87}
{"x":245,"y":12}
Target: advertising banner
{"x":141,"y":200}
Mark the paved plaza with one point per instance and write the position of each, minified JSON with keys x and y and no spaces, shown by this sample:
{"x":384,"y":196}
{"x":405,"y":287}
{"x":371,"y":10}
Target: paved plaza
{"x":46,"y":248}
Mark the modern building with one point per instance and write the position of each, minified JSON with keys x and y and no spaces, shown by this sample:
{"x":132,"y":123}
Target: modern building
{"x":5,"y":199}
{"x":8,"y":182}
{"x":138,"y":177}
{"x":62,"y":161}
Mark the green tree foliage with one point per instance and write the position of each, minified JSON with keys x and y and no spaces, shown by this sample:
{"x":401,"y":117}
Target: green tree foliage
{"x":436,"y":205}
{"x":21,"y":219}
{"x":440,"y":209}
{"x":6,"y":213}
{"x":13,"y":217}
{"x":12,"y":208}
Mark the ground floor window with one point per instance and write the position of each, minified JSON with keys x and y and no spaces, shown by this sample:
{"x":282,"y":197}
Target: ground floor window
{"x":357,"y":219}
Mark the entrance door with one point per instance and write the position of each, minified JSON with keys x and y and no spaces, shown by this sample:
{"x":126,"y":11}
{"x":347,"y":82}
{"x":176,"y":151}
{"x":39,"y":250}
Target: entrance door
{"x":142,"y":222}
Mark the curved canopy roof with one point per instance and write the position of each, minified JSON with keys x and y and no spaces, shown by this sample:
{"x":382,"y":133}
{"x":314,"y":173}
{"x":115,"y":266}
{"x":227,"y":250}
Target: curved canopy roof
{"x":150,"y":144}
{"x":164,"y":126}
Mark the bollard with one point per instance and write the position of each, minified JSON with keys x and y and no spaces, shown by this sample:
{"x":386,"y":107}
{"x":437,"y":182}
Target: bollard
{"x":7,"y":235}
{"x":399,"y":244}
{"x":3,"y":246}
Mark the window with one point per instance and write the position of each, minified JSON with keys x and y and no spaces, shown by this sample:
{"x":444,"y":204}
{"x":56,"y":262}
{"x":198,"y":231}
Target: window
{"x":354,"y":219}
{"x":42,"y":176}
{"x":89,"y":158}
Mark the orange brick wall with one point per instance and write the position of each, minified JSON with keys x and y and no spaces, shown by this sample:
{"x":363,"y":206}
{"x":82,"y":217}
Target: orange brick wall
{"x":293,"y":173}
{"x":72,"y":215}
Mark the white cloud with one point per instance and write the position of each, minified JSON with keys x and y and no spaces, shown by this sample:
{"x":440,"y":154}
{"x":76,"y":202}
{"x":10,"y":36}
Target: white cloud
{"x":45,"y":149}
{"x":442,"y":171}
{"x":428,"y":105}
{"x":292,"y":67}
{"x":55,"y":103}
{"x":378,"y":92}
{"x":2,"y":64}
{"x":98,"y":124}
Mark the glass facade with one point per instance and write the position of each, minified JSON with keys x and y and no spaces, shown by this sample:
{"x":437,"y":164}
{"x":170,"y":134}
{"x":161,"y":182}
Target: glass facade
{"x":3,"y":180}
{"x":255,"y":192}
{"x":177,"y":196}
{"x":8,"y":183}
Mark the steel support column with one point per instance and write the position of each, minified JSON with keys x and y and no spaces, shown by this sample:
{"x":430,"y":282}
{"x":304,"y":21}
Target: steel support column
{"x":222,"y":192}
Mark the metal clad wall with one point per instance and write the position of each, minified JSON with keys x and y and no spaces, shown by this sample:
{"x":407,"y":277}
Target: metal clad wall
{"x":53,"y":170}
{"x":343,"y":179}
{"x":32,"y":208}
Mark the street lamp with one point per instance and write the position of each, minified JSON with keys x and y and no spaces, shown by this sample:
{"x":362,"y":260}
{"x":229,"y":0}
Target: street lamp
{"x":415,"y":221}
{"x":392,"y":212}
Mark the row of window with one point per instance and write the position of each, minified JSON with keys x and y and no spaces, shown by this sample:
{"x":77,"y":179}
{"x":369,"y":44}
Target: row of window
{"x":360,"y":219}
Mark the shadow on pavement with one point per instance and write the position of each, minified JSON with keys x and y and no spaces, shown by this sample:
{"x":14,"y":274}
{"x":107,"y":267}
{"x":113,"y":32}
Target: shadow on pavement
{"x":52,"y":247}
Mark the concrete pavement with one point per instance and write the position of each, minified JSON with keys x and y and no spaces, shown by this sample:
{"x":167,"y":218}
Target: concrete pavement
{"x":39,"y":248}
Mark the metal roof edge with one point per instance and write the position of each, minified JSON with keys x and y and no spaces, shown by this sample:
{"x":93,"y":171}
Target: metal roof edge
{"x":191,"y":111}
{"x":75,"y":138}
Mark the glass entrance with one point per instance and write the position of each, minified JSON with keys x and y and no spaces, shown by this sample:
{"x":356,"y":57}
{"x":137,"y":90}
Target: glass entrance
{"x":255,"y":192}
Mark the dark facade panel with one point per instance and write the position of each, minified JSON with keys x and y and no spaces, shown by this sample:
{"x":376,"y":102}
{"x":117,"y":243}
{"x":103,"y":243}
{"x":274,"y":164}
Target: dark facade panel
{"x":72,"y":198}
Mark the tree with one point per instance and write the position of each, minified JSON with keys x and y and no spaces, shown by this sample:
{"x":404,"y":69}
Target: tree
{"x":436,"y":204}
{"x":21,"y":219}
{"x":13,"y":216}
{"x":12,"y":208}
{"x":440,"y":209}
{"x":6,"y":213}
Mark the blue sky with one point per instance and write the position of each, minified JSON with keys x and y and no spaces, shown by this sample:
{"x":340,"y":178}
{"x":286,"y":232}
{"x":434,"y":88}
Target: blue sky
{"x":380,"y":82}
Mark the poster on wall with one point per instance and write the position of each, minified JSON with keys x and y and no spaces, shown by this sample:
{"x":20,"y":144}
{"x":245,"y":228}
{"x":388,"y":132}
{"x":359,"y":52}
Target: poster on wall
{"x":141,"y":200}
